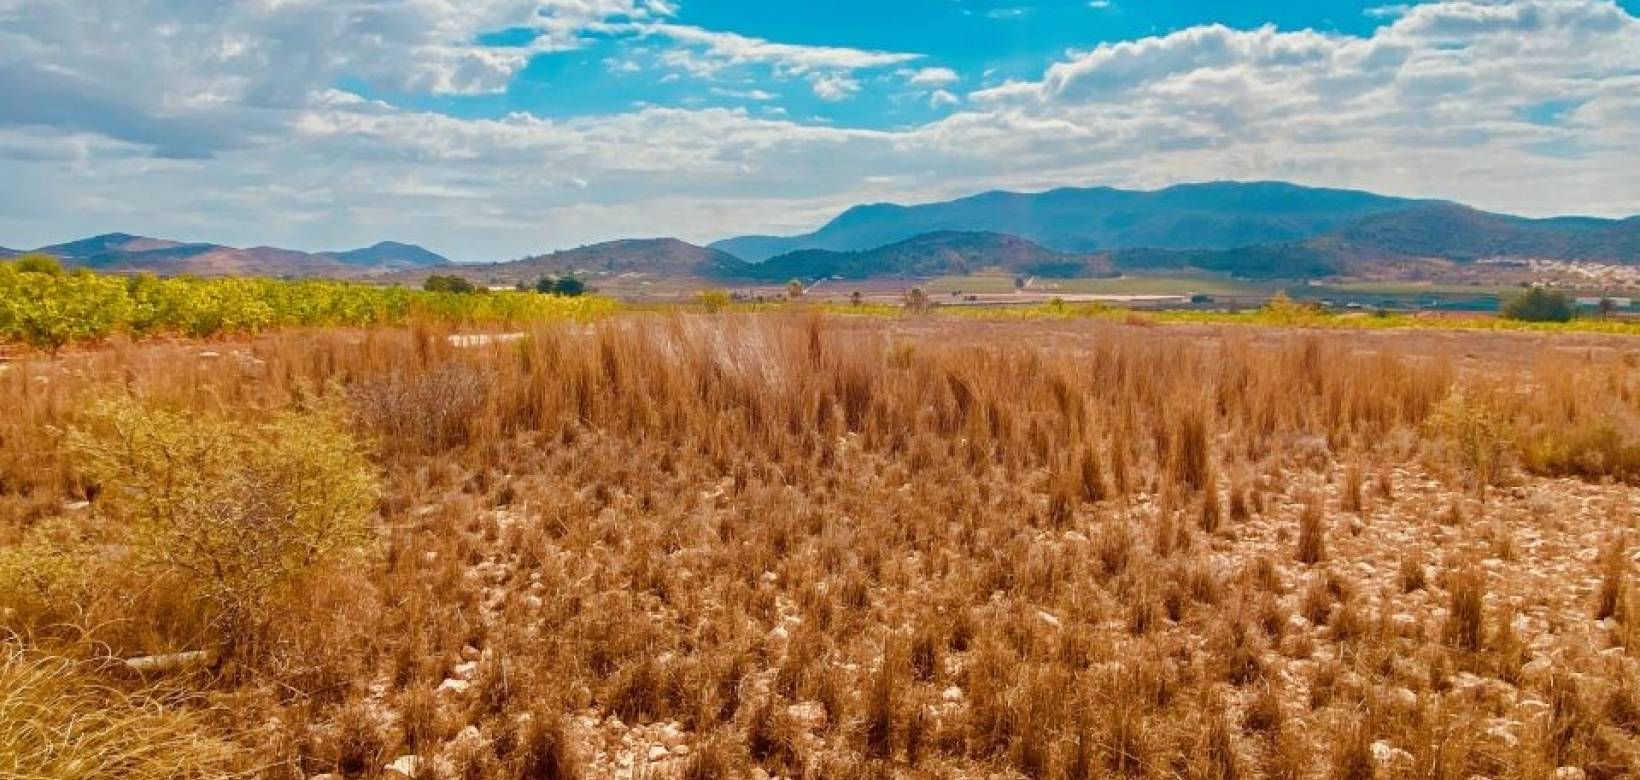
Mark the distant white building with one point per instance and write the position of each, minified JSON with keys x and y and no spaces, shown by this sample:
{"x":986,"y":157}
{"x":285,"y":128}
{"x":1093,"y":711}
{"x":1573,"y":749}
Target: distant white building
{"x":1621,"y":303}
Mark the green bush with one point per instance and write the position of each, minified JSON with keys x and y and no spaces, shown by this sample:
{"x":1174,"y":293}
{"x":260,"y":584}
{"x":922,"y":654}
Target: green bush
{"x":1540,"y":304}
{"x":449,"y":283}
{"x":566,"y":286}
{"x":239,"y":513}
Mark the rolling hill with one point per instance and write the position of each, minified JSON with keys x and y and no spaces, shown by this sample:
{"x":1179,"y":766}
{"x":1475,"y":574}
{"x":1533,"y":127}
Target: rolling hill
{"x":1461,"y":233}
{"x":940,"y":253}
{"x":667,"y":258}
{"x":1213,"y":216}
{"x":126,"y":252}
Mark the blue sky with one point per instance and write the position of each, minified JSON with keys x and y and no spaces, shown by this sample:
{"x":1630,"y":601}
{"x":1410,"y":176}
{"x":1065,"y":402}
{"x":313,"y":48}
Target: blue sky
{"x":488,"y":129}
{"x":984,"y":42}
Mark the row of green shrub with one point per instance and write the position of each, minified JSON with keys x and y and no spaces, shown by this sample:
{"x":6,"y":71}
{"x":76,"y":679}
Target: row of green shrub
{"x":45,"y":307}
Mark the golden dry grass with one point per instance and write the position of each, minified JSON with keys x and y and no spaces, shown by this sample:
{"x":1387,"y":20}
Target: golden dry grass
{"x":711,"y":546}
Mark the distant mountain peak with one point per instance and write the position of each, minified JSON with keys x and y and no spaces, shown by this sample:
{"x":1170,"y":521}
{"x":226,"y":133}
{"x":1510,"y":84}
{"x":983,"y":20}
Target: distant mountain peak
{"x":1206,"y":215}
{"x":128,"y":252}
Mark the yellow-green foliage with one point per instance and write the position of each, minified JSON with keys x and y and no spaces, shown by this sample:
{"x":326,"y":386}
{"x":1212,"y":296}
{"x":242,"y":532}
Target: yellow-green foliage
{"x":50,"y":310}
{"x":56,"y":723}
{"x":40,"y":579}
{"x":1475,"y":431}
{"x":240,"y":512}
{"x":714,"y":301}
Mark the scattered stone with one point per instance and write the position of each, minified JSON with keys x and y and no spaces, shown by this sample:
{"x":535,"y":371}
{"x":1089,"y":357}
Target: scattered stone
{"x":1385,"y":754}
{"x":403,"y":766}
{"x":170,"y":662}
{"x":454,"y":686}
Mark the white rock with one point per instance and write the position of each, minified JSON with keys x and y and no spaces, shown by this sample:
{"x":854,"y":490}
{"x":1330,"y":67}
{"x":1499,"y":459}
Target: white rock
{"x":1048,"y":618}
{"x":659,"y":753}
{"x":670,"y":735}
{"x":1383,"y":753}
{"x":170,"y":662}
{"x":454,"y":686}
{"x":1569,"y":773}
{"x":404,"y":766}
{"x":466,"y":669}
{"x":952,"y":694}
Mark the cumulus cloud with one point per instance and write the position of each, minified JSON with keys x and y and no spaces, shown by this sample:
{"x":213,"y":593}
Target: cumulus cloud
{"x":834,"y":87}
{"x":932,"y":77}
{"x":224,"y":128}
{"x":727,"y":48}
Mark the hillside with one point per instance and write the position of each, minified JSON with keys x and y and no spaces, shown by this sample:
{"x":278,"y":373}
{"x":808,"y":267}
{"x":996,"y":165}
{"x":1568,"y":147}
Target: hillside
{"x":126,"y":252}
{"x":1461,"y":233}
{"x":934,"y":254}
{"x":1221,"y":215}
{"x":667,"y":258}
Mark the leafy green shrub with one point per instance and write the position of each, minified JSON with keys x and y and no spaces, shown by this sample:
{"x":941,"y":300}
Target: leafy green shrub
{"x":38,"y":263}
{"x":1540,"y":304}
{"x":449,"y":283}
{"x":239,"y":513}
{"x":50,"y":310}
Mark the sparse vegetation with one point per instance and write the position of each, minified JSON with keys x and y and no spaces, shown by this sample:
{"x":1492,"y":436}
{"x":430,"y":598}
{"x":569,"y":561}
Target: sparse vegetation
{"x":701,"y":546}
{"x":44,"y":307}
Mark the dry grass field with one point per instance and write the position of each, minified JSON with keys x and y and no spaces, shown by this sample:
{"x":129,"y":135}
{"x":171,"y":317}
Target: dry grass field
{"x":790,"y":545}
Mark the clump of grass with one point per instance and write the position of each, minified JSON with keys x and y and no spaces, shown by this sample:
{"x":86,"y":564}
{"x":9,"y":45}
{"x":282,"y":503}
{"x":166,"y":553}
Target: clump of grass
{"x":58,"y":721}
{"x":1466,"y":606}
{"x":1613,"y":595}
{"x":1312,"y":542}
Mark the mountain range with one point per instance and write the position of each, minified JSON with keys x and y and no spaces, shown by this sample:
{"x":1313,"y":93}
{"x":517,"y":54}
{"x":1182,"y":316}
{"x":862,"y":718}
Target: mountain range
{"x":941,"y":253}
{"x":123,"y":252}
{"x":1258,"y":230}
{"x":1219,"y":215}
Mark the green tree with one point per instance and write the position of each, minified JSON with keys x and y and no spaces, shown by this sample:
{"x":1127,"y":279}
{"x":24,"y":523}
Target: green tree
{"x":570,"y":287}
{"x":448,"y":283}
{"x":794,"y":289}
{"x":1540,"y":304}
{"x":917,"y":301}
{"x":1606,"y":307}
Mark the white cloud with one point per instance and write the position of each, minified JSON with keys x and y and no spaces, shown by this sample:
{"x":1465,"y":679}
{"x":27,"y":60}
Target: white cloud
{"x":96,"y":137}
{"x":941,"y":98}
{"x":834,"y":87}
{"x":744,"y":94}
{"x":713,"y":50}
{"x":933,"y":77}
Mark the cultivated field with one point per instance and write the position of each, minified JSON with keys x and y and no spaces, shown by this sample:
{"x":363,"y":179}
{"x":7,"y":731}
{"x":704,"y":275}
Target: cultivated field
{"x":794,"y":545}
